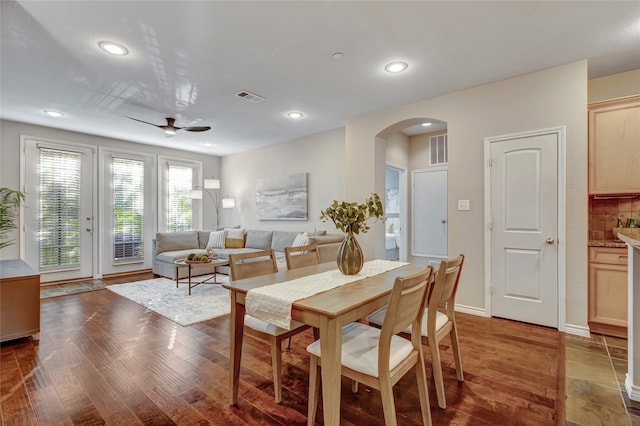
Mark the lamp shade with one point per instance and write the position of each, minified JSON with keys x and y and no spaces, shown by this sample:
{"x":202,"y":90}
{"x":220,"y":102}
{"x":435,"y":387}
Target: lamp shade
{"x":228,"y":203}
{"x":195,"y":194}
{"x":212,"y":183}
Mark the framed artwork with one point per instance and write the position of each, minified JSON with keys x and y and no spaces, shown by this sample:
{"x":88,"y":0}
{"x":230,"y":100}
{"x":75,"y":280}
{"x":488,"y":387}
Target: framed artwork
{"x":282,"y":197}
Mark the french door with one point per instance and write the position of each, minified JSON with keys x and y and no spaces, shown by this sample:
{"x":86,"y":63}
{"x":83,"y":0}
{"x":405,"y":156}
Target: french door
{"x":58,"y":213}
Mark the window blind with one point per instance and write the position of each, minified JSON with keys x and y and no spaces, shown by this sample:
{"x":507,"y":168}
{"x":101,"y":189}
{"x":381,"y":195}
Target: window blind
{"x":59,"y":208}
{"x":128,"y":209}
{"x":180,"y":185}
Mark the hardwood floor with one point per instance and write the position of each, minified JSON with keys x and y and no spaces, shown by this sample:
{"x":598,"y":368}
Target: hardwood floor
{"x":103,"y":359}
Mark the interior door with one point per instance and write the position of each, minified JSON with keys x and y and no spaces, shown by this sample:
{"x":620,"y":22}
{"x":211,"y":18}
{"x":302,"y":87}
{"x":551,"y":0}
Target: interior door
{"x":524,"y":227}
{"x":58,"y":214}
{"x":429,"y":223}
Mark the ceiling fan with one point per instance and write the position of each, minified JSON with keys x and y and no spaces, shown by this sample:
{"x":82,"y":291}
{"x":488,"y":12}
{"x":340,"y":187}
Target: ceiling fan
{"x":170,"y":128}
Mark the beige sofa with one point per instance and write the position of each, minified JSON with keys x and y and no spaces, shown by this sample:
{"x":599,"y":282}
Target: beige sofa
{"x":172,"y":246}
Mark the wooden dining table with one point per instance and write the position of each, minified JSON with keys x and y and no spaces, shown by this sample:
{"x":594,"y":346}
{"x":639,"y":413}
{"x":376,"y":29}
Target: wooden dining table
{"x":327,"y":311}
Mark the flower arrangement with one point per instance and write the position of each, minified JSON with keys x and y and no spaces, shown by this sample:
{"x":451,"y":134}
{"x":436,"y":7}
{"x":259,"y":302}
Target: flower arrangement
{"x":352,"y":217}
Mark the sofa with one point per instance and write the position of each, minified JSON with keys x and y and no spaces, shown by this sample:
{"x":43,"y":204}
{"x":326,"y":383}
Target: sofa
{"x":168,"y":247}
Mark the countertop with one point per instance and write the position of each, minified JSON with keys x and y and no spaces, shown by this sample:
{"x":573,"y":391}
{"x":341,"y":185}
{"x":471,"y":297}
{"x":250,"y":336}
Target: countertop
{"x":607,"y":243}
{"x":629,"y":235}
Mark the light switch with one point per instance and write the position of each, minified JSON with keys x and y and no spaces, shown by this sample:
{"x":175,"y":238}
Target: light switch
{"x":463,"y":205}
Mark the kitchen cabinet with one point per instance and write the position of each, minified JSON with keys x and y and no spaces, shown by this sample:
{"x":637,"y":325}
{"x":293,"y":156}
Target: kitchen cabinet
{"x":608,"y":291}
{"x":19,"y":300}
{"x":614,"y":150}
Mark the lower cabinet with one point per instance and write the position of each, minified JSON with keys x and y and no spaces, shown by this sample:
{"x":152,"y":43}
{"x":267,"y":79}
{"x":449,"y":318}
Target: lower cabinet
{"x":608,"y":291}
{"x":19,"y":300}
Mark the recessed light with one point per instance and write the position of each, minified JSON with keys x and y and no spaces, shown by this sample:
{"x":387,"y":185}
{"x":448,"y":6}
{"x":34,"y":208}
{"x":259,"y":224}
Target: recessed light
{"x":208,"y":144}
{"x":113,"y":48}
{"x":395,"y":67}
{"x":427,"y":124}
{"x":337,"y":55}
{"x":52,"y":113}
{"x":295,"y":114}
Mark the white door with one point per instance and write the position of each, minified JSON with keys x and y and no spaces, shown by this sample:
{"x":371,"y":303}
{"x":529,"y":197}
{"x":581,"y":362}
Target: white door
{"x":429,"y":213}
{"x":59,"y":222}
{"x":523,"y":224}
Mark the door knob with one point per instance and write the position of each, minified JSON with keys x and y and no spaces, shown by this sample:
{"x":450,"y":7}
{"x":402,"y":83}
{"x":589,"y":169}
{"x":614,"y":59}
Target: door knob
{"x":550,"y":240}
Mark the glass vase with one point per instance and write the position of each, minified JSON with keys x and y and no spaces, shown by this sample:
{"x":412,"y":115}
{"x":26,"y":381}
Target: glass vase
{"x":350,"y":258}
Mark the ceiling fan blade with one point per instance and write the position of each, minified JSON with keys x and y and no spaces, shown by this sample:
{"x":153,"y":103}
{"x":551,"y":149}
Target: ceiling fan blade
{"x":197,"y":129}
{"x":145,"y":122}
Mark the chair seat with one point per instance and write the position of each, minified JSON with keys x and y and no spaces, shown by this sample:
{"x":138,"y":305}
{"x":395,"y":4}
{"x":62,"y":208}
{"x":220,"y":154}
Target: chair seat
{"x":360,"y":348}
{"x":377,"y":318}
{"x":267,"y":327}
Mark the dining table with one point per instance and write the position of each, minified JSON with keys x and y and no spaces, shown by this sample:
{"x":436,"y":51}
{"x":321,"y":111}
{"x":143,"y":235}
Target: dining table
{"x":327,"y":311}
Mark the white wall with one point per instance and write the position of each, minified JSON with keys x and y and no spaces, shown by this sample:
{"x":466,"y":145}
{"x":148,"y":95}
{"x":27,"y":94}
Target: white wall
{"x":321,"y":156}
{"x":614,"y":86}
{"x":554,"y":97}
{"x":10,"y":132}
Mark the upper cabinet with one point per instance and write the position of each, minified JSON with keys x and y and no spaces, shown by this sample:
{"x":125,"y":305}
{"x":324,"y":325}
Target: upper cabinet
{"x":614,"y":146}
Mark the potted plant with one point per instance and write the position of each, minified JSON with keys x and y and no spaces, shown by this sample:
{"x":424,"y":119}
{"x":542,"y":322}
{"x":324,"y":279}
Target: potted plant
{"x":9,"y":201}
{"x":352,"y":217}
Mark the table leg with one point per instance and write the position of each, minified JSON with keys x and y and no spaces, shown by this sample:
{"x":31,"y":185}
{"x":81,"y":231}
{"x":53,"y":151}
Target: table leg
{"x":189,"y":279}
{"x":235,"y":346}
{"x":331,"y":350}
{"x":177,"y":276}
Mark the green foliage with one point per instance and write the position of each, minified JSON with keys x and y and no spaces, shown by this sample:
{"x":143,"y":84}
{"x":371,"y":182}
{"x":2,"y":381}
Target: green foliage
{"x":9,"y":202}
{"x":352,"y":217}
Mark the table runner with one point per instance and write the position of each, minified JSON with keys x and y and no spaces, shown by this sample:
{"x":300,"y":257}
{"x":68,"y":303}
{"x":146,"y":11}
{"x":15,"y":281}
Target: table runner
{"x":272,"y":303}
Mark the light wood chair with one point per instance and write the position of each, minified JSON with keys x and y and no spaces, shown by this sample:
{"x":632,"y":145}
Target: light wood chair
{"x":379,"y":358}
{"x":247,"y":265}
{"x":301,"y":256}
{"x":439,"y":321}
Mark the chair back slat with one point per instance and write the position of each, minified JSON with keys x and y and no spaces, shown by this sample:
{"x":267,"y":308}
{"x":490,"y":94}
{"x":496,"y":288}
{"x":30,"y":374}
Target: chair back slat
{"x":301,"y":256}
{"x":406,"y":307}
{"x":446,"y":285}
{"x":247,"y":265}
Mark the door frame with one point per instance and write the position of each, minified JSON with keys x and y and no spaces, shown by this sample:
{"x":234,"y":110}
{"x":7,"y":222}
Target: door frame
{"x":404,"y":207}
{"x":562,"y":213}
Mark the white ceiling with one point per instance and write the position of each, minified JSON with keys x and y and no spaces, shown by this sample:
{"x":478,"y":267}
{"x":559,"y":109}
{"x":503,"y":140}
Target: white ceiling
{"x":189,"y":59}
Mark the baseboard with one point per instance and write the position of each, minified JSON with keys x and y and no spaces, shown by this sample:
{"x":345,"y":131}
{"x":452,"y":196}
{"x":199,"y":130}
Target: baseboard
{"x":578,"y":330}
{"x":633,"y":391}
{"x":472,"y":310}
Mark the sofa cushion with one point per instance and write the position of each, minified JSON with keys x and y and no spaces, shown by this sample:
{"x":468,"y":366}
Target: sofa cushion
{"x":282,"y":239}
{"x":326,"y":239}
{"x":302,"y":239}
{"x":317,"y":233}
{"x":170,"y":241}
{"x":203,"y":236}
{"x":216,"y":239}
{"x":225,"y":252}
{"x":174,"y":255}
{"x":258,"y":239}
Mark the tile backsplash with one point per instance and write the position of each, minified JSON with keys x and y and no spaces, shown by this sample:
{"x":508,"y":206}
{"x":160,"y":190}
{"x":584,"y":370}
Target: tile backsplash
{"x":604,"y":214}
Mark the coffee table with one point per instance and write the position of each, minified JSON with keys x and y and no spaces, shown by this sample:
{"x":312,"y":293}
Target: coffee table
{"x":214,"y":273}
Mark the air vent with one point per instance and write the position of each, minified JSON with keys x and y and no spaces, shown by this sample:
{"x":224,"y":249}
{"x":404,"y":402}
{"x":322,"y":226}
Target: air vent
{"x":251,"y":97}
{"x":438,"y":150}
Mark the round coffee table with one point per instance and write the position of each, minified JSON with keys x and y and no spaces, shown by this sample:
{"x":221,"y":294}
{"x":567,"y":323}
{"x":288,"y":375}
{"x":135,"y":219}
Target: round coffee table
{"x":214,"y":263}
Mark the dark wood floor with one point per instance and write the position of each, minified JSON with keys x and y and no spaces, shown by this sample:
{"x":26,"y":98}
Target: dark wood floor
{"x":103,"y":359}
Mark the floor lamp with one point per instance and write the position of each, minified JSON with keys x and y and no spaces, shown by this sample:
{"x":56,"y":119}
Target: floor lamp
{"x":213,"y":184}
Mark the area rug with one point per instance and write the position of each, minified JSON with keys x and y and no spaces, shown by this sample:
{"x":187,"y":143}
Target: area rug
{"x":207,"y":301}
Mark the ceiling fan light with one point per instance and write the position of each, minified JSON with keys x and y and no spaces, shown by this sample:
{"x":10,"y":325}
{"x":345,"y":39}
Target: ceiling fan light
{"x":170,"y":132}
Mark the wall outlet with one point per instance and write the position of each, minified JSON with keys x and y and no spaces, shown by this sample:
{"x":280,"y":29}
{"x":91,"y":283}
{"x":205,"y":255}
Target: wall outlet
{"x":463,"y":205}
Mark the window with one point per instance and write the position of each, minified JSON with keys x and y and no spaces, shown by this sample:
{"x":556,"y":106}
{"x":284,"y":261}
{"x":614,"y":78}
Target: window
{"x":128,"y":209}
{"x":438,"y":150}
{"x":59,"y":208}
{"x":180,"y":206}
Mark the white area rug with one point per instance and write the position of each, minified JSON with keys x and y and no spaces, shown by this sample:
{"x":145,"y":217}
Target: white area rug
{"x":207,"y":301}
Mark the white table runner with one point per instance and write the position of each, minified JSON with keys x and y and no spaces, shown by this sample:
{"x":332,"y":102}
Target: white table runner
{"x":272,"y":303}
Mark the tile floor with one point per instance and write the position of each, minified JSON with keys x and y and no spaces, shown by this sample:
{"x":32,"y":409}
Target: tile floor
{"x":64,"y":289}
{"x":595,"y":373}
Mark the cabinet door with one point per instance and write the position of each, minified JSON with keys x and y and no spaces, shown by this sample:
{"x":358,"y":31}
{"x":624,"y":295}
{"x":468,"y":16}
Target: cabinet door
{"x":614,"y":151}
{"x":608,"y":299}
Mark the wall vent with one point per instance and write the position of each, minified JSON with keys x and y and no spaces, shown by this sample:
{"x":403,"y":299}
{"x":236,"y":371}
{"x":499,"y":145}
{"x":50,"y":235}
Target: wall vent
{"x":438,"y":150}
{"x":251,"y":97}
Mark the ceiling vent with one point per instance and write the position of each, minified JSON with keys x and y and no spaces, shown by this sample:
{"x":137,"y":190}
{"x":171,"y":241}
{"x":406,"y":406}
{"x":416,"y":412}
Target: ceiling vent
{"x":251,"y":97}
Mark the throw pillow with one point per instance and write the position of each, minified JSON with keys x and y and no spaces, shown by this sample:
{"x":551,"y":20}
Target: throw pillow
{"x":216,"y":239}
{"x":234,"y":238}
{"x":302,"y":239}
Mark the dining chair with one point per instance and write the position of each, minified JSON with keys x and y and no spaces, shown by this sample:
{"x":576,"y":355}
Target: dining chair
{"x":247,"y":265}
{"x":301,"y":256}
{"x":379,"y":358}
{"x":438,"y":322}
